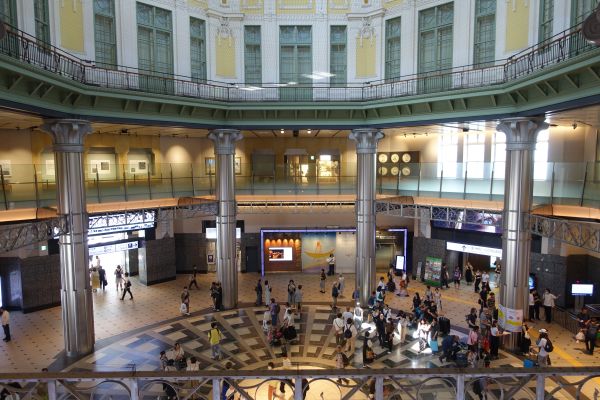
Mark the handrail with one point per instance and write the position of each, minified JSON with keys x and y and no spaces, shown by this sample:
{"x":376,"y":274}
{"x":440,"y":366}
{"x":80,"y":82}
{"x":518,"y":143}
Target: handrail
{"x":565,"y":45}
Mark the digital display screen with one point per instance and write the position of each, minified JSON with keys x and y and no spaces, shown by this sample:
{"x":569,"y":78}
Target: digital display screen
{"x":580,"y":289}
{"x":531,"y":282}
{"x":280,"y":254}
{"x":400,"y":263}
{"x":471,"y":221}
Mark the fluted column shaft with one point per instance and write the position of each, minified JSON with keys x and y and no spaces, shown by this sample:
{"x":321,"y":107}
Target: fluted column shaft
{"x":521,"y":134}
{"x":76,"y":295}
{"x":366,"y":153}
{"x":224,"y":140}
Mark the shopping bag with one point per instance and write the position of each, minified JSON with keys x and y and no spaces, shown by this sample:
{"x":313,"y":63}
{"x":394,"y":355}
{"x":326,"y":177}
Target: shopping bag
{"x":434,"y":346}
{"x":183,"y":308}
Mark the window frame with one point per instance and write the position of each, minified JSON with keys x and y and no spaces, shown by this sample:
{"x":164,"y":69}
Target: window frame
{"x":42,"y":22}
{"x":339,"y":71}
{"x":486,"y":57}
{"x":393,"y":47}
{"x":103,"y":44}
{"x":253,"y":55}
{"x":198,"y":56}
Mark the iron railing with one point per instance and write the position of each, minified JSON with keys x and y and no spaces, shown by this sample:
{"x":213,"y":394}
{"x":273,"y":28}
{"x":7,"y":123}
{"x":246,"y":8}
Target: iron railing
{"x":34,"y":185}
{"x":27,"y":49}
{"x":389,"y":384}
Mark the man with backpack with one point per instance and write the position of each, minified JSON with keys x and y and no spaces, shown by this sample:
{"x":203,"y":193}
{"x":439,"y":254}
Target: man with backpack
{"x":545,"y":347}
{"x":338,"y":327}
{"x":350,"y":334}
{"x":214,"y":337}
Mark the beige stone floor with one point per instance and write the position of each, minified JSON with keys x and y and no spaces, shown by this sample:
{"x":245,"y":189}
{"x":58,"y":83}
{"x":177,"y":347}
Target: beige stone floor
{"x":38,"y":339}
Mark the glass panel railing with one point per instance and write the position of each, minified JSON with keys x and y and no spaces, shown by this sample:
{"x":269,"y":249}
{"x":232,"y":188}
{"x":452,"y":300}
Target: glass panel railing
{"x":29,"y":186}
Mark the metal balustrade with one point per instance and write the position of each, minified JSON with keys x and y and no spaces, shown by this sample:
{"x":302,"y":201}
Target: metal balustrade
{"x":389,"y":384}
{"x":29,"y":50}
{"x":34,"y":186}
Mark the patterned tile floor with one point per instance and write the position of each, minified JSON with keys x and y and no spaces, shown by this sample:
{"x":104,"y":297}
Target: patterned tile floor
{"x":133,"y":332}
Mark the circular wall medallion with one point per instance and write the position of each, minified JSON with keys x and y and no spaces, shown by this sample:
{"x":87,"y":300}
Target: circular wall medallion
{"x":383,"y":158}
{"x":395,"y":158}
{"x":383,"y":171}
{"x":406,"y":157}
{"x":405,"y":171}
{"x":394,"y":171}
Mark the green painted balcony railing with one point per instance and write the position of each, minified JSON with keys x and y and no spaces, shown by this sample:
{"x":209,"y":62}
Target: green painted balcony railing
{"x":29,"y":50}
{"x":28,"y":186}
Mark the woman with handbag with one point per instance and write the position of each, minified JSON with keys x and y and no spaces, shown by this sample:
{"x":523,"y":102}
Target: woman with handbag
{"x":368,"y":353}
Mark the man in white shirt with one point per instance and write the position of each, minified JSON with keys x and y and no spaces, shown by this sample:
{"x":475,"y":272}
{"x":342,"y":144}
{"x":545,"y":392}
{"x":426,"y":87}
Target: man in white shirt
{"x":531,"y":306}
{"x":548,"y":304}
{"x":485,"y":277}
{"x":348,"y":314}
{"x":5,"y":324}
{"x":338,"y":327}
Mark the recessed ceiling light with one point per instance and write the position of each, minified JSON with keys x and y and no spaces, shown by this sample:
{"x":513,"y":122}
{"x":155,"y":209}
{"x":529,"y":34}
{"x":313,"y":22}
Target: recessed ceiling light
{"x":309,"y":131}
{"x":282,"y":131}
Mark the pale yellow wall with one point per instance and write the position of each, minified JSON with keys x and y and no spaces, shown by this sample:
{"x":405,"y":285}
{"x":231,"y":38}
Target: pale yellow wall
{"x":295,"y":6}
{"x":517,"y":24}
{"x":338,"y":6}
{"x":252,"y":7}
{"x":426,"y":145}
{"x":198,"y":3}
{"x":392,"y":3}
{"x":71,"y":25}
{"x":225,"y":49}
{"x":365,"y":57}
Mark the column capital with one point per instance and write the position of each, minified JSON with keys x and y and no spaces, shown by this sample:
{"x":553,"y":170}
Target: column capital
{"x":521,"y":133}
{"x":225,"y":140}
{"x":366,"y":139}
{"x":67,"y":134}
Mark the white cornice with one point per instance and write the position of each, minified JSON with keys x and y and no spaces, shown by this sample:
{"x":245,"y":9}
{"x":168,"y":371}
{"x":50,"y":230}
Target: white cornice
{"x":219,"y":14}
{"x":380,"y":12}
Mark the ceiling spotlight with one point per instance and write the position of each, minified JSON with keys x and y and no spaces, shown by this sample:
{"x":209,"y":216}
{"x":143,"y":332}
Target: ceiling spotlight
{"x":309,"y":131}
{"x":282,"y":131}
{"x":405,"y":135}
{"x":574,"y":125}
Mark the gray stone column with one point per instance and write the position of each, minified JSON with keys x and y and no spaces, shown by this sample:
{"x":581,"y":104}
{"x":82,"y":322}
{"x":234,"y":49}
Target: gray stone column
{"x":366,"y":157}
{"x":521,"y":134}
{"x":76,"y":295}
{"x":224,"y":140}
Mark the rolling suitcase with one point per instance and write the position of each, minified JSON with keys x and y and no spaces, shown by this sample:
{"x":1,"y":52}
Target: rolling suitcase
{"x":434,"y":346}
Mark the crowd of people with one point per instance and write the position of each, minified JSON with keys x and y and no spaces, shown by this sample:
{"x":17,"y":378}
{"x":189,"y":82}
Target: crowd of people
{"x":424,"y":324}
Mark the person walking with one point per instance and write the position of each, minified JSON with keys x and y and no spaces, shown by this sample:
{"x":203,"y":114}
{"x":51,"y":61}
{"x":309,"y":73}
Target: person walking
{"x":331,"y":264}
{"x":298,"y":298}
{"x":185,"y":300}
{"x":437,"y":297}
{"x":537,"y":303}
{"x":350,"y":334}
{"x":214,"y":337}
{"x":267,"y":293}
{"x":127,"y":289}
{"x":219,"y":298}
{"x":549,"y":299}
{"x":259,"y":290}
{"x":531,"y":303}
{"x":423,"y":333}
{"x":193,"y":280}
{"x":456,"y":277}
{"x":494,"y":340}
{"x":544,"y":348}
{"x":102,"y":276}
{"x":341,"y":284}
{"x":590,"y":336}
{"x":338,"y":328}
{"x":291,"y":290}
{"x":119,"y":277}
{"x":5,"y":319}
{"x":95,"y":279}
{"x":469,"y":274}
{"x":477,"y":281}
{"x":341,"y":360}
{"x":334,"y":296}
{"x":322,"y":281}
{"x":274,"y":309}
{"x":367,"y":349}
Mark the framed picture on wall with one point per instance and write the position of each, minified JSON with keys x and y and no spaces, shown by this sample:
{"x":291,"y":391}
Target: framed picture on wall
{"x":210,"y":258}
{"x":237,"y":165}
{"x":138,"y":166}
{"x":100,"y":167}
{"x":209,"y":165}
{"x":6,"y":168}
